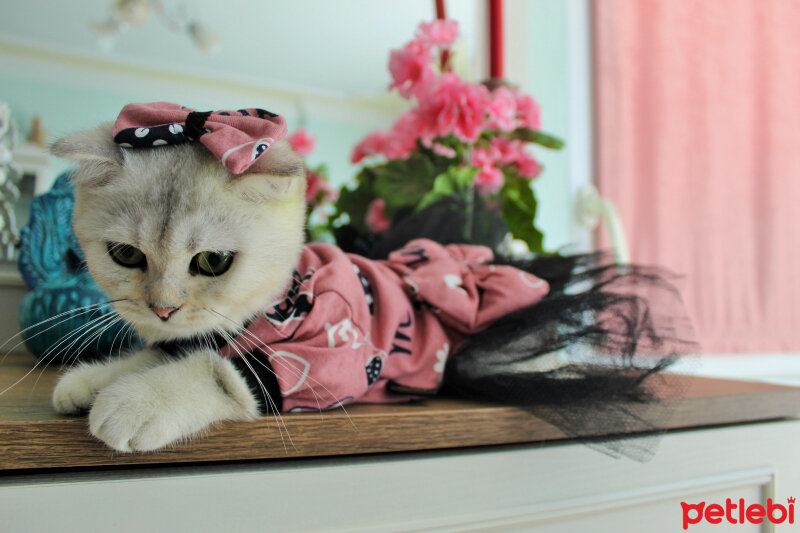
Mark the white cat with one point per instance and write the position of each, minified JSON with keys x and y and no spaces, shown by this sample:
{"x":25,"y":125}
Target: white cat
{"x":178,"y":242}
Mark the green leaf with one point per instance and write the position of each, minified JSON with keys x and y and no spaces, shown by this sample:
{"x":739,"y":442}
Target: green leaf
{"x":538,"y":137}
{"x":462,"y":176}
{"x":454,"y":180}
{"x":354,"y":202}
{"x":322,"y":170}
{"x":519,"y":211}
{"x":404,"y":182}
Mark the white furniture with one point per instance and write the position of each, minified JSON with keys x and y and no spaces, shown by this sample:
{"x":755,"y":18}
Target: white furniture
{"x":554,"y":488}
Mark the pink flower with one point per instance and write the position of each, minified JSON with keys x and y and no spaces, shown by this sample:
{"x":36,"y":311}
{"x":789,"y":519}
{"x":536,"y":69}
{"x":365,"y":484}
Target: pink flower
{"x":375,"y":219}
{"x":395,"y":144}
{"x":411,"y":68}
{"x":372,"y":144}
{"x":527,"y":166}
{"x":452,"y":106}
{"x":503,"y":110}
{"x":405,"y":132}
{"x":442,"y":150}
{"x":507,"y":150}
{"x":410,"y":127}
{"x":528,"y":112}
{"x":483,"y":156}
{"x":489,"y":180}
{"x":318,"y":190}
{"x":313,"y":185}
{"x":438,"y":33}
{"x":301,"y":142}
{"x":513,"y":152}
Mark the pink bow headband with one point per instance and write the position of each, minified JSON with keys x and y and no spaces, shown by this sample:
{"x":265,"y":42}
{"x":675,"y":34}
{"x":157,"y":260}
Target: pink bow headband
{"x":236,"y":138}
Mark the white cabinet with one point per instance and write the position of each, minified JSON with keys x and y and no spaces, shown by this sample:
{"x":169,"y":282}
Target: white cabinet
{"x":553,"y":488}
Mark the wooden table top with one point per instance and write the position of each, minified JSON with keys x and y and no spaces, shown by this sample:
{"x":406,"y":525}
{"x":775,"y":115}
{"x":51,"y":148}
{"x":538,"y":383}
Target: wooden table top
{"x":33,"y":435}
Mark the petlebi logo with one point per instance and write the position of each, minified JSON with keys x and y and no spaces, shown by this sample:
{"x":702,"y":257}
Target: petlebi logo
{"x":738,"y":512}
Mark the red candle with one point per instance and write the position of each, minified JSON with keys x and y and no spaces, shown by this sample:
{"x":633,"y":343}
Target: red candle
{"x":441,"y":15}
{"x":440,"y":10}
{"x":495,"y":38}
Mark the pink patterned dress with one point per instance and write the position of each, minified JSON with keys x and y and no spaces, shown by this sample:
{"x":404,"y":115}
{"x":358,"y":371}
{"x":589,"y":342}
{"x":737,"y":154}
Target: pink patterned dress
{"x":350,"y":329}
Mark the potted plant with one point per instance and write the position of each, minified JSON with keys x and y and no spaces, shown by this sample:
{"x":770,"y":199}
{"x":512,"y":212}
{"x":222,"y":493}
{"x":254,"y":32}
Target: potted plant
{"x":457,"y":161}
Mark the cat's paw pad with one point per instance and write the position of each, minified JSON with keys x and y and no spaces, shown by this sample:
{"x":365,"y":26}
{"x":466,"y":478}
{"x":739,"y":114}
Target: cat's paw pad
{"x":76,"y":391}
{"x":129,"y":417}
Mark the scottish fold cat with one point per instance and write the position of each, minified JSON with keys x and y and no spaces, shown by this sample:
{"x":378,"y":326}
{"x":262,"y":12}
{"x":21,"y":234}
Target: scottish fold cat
{"x":184,"y":249}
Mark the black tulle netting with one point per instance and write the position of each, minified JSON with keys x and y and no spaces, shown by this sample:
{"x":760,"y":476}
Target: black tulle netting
{"x":587,"y":358}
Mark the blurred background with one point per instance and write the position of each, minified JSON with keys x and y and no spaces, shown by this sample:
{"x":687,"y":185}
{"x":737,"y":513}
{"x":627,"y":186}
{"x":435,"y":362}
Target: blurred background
{"x":683,"y":115}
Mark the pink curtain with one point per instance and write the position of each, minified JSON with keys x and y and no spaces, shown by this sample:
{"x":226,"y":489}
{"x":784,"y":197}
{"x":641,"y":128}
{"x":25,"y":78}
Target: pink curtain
{"x":698,"y":143}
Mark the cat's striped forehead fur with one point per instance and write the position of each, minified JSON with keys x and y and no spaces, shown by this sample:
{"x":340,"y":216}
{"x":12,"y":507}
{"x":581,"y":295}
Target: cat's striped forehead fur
{"x":173,"y":202}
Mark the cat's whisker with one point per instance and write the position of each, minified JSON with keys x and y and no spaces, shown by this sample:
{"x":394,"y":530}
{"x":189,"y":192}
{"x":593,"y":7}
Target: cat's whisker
{"x":99,"y":337}
{"x":72,"y":357}
{"x":82,"y":309}
{"x":28,"y":373}
{"x":336,"y":399}
{"x":85,"y":335}
{"x":297,"y":373}
{"x":229,"y":340}
{"x":276,"y":412}
{"x":238,"y":348}
{"x":114,"y":340}
{"x":75,"y":333}
{"x":254,"y":338}
{"x":77,"y":311}
{"x":50,"y":350}
{"x":90,"y":336}
{"x":278,"y":418}
{"x":103,"y":327}
{"x":289,"y":368}
{"x":261,"y":343}
{"x":129,"y":333}
{"x":97,"y":334}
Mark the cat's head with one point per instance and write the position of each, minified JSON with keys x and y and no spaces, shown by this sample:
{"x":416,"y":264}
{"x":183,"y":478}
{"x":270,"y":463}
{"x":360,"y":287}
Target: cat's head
{"x":183,"y":246}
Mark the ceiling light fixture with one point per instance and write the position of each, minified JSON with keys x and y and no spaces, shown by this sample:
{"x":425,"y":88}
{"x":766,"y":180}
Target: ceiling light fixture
{"x":126,"y":14}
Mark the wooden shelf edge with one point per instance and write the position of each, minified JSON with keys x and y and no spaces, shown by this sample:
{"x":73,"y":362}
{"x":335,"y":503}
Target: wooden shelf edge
{"x":32,"y":436}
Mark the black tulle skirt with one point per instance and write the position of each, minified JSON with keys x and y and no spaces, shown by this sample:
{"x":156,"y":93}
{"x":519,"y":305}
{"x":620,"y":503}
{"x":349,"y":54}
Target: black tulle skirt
{"x":586,"y":358}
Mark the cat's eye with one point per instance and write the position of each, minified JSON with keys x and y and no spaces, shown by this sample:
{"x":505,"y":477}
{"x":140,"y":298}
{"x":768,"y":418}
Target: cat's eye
{"x":127,"y":255}
{"x":211,"y":263}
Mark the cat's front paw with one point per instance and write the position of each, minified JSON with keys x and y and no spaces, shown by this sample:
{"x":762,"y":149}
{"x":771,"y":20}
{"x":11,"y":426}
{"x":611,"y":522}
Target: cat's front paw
{"x":77,"y":389}
{"x":168,"y":404}
{"x":131,"y":416}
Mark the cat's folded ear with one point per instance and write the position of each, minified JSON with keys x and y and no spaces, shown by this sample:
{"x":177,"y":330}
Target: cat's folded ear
{"x":94,"y":149}
{"x":277,"y":173}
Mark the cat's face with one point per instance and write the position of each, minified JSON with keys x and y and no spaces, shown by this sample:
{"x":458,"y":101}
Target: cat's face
{"x":182,"y":245}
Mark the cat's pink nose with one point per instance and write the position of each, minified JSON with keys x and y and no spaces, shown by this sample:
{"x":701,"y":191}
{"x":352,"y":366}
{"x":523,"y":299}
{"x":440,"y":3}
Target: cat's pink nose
{"x":163,"y":312}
